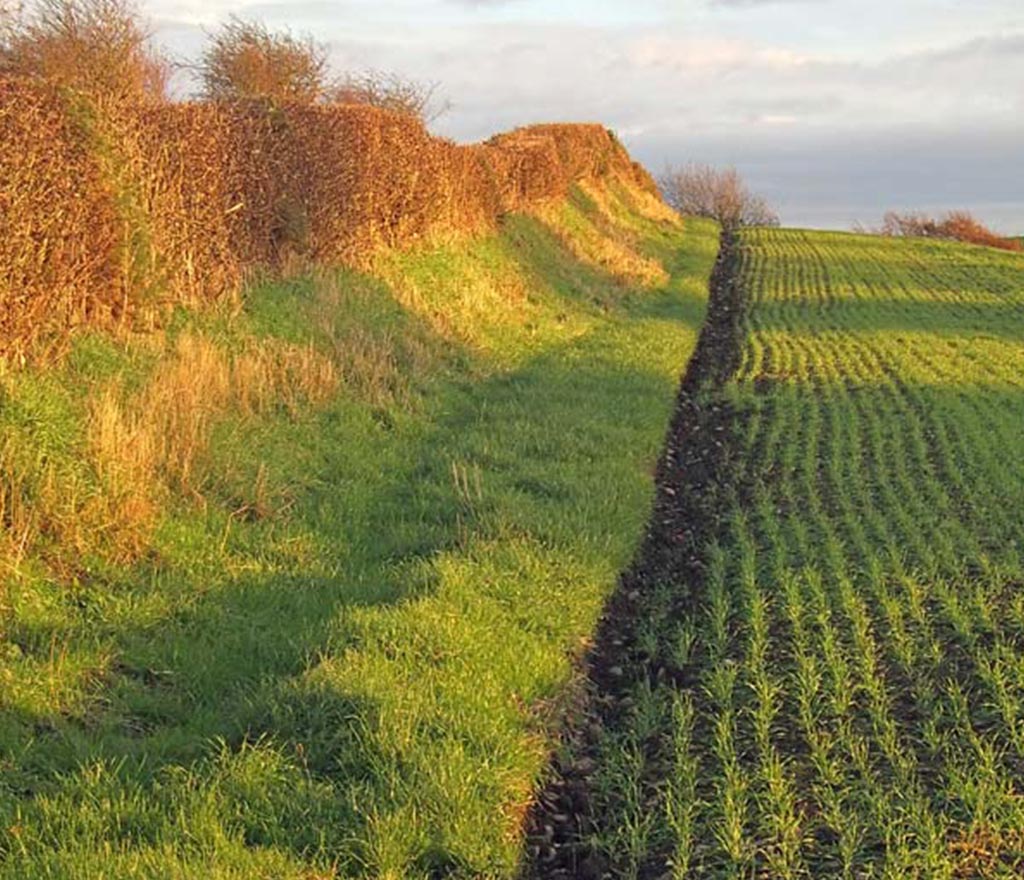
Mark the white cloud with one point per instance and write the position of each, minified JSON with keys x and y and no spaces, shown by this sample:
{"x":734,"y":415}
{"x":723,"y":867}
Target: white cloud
{"x":788,"y":72}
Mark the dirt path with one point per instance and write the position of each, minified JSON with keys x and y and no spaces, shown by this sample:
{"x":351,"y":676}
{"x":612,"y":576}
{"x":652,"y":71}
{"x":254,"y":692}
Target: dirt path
{"x":571,"y":815}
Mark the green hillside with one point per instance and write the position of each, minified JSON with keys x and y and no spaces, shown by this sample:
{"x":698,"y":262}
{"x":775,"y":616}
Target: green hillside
{"x":293,"y":587}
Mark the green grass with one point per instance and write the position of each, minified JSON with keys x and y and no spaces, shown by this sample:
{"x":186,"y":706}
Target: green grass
{"x":850,"y":696}
{"x":339,"y":646}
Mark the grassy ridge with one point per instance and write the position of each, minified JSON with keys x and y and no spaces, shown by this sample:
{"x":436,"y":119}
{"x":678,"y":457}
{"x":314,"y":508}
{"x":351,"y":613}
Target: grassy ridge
{"x":846,"y":694}
{"x":289,"y":591}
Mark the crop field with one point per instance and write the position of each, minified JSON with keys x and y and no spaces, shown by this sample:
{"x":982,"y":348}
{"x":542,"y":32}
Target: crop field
{"x":839,"y":692}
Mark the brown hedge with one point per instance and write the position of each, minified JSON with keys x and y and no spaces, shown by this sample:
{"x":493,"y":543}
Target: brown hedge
{"x":58,"y":224}
{"x":104,"y":214}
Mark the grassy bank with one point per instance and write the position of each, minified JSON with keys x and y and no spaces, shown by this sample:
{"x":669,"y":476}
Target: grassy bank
{"x":840,"y":690}
{"x":291,"y":588}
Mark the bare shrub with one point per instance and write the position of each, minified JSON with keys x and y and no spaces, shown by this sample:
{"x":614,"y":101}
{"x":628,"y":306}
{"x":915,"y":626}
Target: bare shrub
{"x":390,"y":91}
{"x":721,"y":194}
{"x":99,"y":47}
{"x":246,"y":60}
{"x":952,"y":226}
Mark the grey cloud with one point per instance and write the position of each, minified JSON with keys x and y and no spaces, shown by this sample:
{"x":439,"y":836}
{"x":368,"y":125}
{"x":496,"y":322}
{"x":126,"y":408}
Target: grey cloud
{"x":828,"y":181}
{"x":1003,"y":48}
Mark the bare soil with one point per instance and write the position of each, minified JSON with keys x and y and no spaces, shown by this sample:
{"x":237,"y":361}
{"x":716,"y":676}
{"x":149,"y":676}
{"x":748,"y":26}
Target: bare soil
{"x":692,"y":476}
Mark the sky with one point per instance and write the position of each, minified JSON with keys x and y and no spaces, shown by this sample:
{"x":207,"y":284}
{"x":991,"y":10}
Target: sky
{"x":835,"y":110}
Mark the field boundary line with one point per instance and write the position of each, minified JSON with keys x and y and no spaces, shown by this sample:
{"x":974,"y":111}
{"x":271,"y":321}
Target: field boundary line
{"x":664,"y":580}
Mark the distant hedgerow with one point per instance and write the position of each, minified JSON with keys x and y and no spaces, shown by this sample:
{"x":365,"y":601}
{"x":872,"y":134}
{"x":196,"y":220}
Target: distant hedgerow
{"x":954,"y":226}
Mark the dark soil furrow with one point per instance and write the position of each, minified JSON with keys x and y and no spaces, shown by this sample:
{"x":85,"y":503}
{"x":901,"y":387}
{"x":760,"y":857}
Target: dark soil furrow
{"x":694,"y":482}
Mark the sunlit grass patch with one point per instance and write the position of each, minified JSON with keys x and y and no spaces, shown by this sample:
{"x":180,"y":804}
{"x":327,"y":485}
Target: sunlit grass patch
{"x":368,"y":519}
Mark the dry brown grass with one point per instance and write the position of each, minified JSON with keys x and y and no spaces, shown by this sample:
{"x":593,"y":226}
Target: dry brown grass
{"x":603,"y":242}
{"x":159,"y":435}
{"x":58,"y":511}
{"x":17,"y":514}
{"x":138,"y":447}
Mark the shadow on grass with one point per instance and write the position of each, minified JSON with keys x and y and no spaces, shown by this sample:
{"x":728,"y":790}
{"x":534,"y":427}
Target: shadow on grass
{"x":246,"y":632}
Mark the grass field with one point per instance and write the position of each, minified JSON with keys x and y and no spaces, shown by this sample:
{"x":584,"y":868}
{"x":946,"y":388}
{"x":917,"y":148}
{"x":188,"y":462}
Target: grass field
{"x":845,"y":683}
{"x":292,"y":589}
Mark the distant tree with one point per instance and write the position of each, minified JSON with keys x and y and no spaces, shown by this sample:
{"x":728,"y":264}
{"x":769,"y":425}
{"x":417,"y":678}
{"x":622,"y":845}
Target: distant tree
{"x":245,"y":59}
{"x":100,"y":47}
{"x":721,"y":194}
{"x":952,"y":226}
{"x":909,"y":224}
{"x":391,"y":92}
